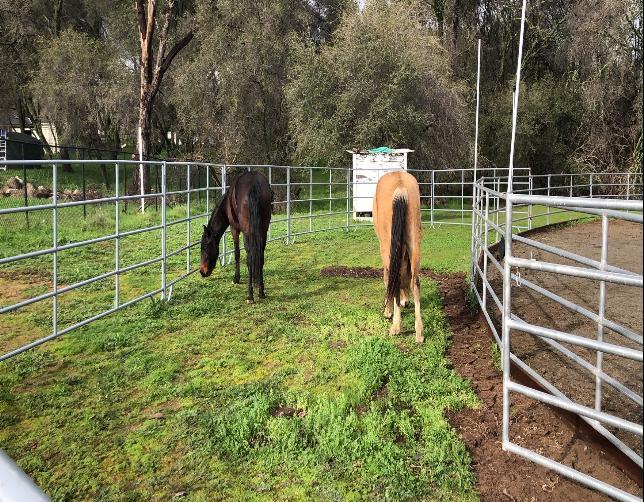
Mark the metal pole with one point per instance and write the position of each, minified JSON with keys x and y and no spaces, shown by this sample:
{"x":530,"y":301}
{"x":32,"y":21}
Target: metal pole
{"x":530,"y":205}
{"x":348,"y":189}
{"x":330,"y":196}
{"x":601,"y":313}
{"x":24,"y":181}
{"x":163,"y":229}
{"x":310,"y":198}
{"x":571,"y":185}
{"x":288,"y":204}
{"x":628,"y":186}
{"x":55,"y":247}
{"x":476,"y":120}
{"x":485,"y":240}
{"x":84,"y":185}
{"x":223,"y":192}
{"x":270,"y":183}
{"x":188,"y":221}
{"x":207,"y":190}
{"x":117,"y":217}
{"x":462,"y":197}
{"x":507,"y":273}
{"x":431,"y":202}
{"x":548,"y":206}
{"x":591,"y":185}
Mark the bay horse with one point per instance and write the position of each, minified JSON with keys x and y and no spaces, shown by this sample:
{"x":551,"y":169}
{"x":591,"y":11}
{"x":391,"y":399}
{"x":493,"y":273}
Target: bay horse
{"x":246,"y":208}
{"x":396,"y":219}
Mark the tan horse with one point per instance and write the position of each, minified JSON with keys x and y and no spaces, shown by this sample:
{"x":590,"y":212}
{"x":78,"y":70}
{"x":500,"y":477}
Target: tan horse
{"x":396,"y":219}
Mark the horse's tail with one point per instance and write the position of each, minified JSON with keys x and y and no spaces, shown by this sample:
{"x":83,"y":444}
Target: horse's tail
{"x":257,"y":236}
{"x":398,"y":226}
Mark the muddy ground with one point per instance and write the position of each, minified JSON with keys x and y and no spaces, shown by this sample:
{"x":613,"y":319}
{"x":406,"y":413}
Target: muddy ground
{"x":500,"y":475}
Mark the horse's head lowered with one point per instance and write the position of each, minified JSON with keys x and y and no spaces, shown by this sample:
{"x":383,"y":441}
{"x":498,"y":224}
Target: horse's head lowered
{"x":209,"y":251}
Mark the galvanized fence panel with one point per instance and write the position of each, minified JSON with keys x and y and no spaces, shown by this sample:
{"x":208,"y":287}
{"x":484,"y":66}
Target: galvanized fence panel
{"x":566,"y":198}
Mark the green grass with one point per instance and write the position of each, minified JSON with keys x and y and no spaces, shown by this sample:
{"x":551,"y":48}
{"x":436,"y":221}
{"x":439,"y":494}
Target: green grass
{"x":185,"y":396}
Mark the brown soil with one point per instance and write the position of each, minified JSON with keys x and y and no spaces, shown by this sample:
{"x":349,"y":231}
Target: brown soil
{"x":623,"y":305}
{"x":500,"y":475}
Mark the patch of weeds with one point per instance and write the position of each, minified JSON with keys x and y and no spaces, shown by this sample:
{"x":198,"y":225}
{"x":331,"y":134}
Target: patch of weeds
{"x":496,"y":356}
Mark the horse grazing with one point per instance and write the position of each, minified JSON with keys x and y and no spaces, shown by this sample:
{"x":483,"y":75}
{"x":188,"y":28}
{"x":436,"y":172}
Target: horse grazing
{"x":246,"y":207}
{"x":396,"y":219}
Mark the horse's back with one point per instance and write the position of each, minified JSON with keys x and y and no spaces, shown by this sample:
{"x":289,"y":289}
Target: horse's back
{"x":242,"y":188}
{"x":389,"y":185}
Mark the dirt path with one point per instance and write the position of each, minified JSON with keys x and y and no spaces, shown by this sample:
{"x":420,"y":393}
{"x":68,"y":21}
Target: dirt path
{"x":500,"y":475}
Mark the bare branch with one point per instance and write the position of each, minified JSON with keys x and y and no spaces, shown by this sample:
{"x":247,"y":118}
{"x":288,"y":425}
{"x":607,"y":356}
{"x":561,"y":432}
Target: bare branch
{"x":140,"y":16}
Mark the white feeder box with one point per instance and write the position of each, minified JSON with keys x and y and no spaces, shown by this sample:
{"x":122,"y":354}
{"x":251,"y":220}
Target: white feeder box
{"x":368,"y":167}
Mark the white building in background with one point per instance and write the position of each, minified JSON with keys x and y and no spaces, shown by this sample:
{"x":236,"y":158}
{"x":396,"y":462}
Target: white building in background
{"x":368,"y":167}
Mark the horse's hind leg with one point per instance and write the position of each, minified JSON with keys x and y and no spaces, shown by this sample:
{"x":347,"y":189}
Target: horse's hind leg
{"x":388,"y":307}
{"x":249,"y":264}
{"x":418,"y":324}
{"x":261,"y":283}
{"x":395,"y":325}
{"x":236,"y":242}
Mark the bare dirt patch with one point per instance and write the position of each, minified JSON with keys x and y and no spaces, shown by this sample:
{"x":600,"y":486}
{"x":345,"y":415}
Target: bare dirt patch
{"x":500,"y":475}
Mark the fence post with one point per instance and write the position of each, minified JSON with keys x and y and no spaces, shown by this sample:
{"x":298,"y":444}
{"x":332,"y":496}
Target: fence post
{"x":188,"y":220}
{"x":24,"y":182}
{"x":600,"y":314}
{"x":591,"y":185}
{"x":223,"y":192}
{"x":462,"y":197}
{"x":163,"y":229}
{"x":55,"y":245}
{"x":485,"y":241}
{"x":84,"y":184}
{"x":628,"y":186}
{"x":548,"y":206}
{"x":348,"y":188}
{"x":529,"y":205}
{"x":571,"y":185}
{"x":431,"y":202}
{"x":310,"y":199}
{"x":288,"y":204}
{"x":270,"y":183}
{"x":207,"y":190}
{"x":117,"y":225}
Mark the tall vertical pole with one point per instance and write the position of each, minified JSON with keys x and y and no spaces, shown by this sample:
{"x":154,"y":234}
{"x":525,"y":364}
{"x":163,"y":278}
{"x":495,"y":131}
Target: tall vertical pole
{"x":55,"y":247}
{"x":163,"y":229}
{"x":348,"y":190}
{"x":600,"y":315}
{"x":24,"y":182}
{"x":288,"y":204}
{"x":270,"y":183}
{"x":476,"y":157}
{"x":431,"y":202}
{"x":188,"y":219}
{"x":223,"y":192}
{"x":117,"y":216}
{"x":507,"y":273}
{"x":310,"y":199}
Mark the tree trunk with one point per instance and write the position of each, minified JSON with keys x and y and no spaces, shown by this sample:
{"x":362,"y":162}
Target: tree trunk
{"x":143,"y":146}
{"x":64,"y":155}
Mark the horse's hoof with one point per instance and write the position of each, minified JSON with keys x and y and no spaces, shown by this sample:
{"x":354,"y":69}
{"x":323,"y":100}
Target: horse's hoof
{"x":420,"y":338}
{"x":404,"y":303}
{"x":393,"y":331}
{"x":250,"y":301}
{"x":388,"y":314}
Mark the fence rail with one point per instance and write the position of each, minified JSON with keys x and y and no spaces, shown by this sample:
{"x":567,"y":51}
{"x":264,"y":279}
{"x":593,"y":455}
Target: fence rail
{"x":494,"y":221}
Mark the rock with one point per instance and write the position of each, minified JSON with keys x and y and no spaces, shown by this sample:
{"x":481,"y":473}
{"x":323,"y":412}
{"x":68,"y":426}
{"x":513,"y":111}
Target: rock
{"x":76,"y":193}
{"x":67,"y":191}
{"x":14,"y":182}
{"x":31,"y":191}
{"x":43,"y":193}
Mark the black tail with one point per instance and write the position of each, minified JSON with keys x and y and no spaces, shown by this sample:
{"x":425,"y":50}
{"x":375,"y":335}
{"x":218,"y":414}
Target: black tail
{"x":257,"y":236}
{"x":398,"y":225}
